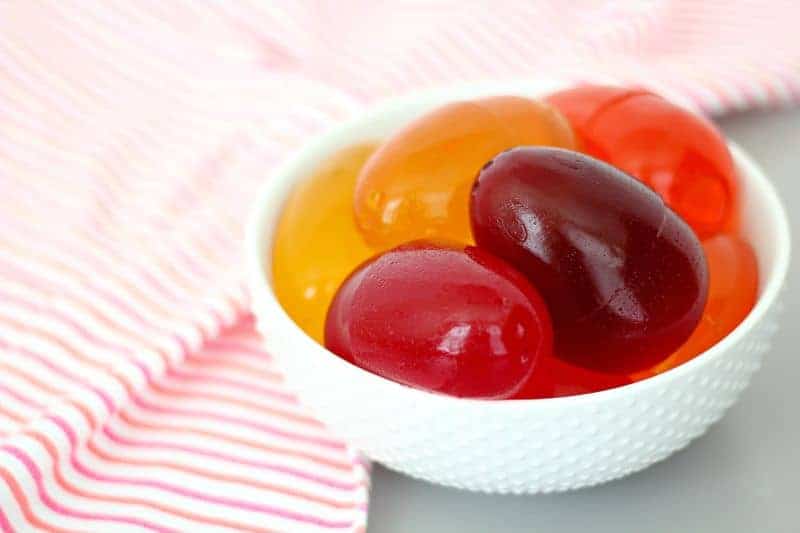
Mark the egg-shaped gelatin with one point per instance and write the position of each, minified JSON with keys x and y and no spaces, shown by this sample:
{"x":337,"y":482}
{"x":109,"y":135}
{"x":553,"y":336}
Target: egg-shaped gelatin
{"x":317,"y":243}
{"x":679,"y":154}
{"x":732,"y":293}
{"x":623,"y":276}
{"x":554,"y":378}
{"x":416,"y":185}
{"x":449,"y":319}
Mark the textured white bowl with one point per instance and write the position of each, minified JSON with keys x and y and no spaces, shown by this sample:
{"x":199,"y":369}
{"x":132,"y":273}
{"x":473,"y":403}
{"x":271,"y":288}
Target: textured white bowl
{"x":522,"y":446}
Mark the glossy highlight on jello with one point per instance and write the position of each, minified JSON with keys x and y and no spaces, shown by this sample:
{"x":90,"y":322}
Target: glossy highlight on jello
{"x":677,"y":153}
{"x":732,"y":293}
{"x":443,"y":318}
{"x":317,"y":243}
{"x":623,"y":276}
{"x":504,"y":248}
{"x":416,"y":185}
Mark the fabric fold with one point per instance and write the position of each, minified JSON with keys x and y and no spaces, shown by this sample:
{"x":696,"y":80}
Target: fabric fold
{"x":134,"y":392}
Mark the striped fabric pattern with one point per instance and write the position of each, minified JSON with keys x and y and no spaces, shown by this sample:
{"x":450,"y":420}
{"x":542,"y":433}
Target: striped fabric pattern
{"x":134,"y":394}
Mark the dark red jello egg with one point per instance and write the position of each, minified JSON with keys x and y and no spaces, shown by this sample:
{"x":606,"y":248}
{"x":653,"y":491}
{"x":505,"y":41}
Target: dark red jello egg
{"x":624,"y":277}
{"x":443,"y":318}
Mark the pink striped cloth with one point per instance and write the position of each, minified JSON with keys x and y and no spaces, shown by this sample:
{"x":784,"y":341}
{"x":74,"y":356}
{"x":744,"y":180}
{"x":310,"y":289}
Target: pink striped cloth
{"x":134,"y":395}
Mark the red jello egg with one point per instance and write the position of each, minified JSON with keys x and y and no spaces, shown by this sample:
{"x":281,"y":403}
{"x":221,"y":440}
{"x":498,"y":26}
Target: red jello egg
{"x":679,"y":154}
{"x":624,"y":277}
{"x":555,"y":378}
{"x":454,"y":320}
{"x":732,"y":293}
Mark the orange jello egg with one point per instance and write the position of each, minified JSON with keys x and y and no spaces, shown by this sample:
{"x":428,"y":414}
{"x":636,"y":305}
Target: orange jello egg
{"x":733,"y":289}
{"x":679,"y":154}
{"x":317,"y":243}
{"x":417,"y":184}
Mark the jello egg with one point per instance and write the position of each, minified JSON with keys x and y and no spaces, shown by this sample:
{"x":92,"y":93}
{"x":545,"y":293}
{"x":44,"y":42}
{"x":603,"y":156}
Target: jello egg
{"x":444,"y":318}
{"x":732,"y":293}
{"x":317,"y":243}
{"x":679,"y":154}
{"x":416,"y":185}
{"x":624,"y":277}
{"x":555,"y":378}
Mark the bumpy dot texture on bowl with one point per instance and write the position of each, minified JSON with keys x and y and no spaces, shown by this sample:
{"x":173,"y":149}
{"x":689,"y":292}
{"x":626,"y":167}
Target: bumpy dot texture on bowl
{"x":514,"y":446}
{"x":510,"y":448}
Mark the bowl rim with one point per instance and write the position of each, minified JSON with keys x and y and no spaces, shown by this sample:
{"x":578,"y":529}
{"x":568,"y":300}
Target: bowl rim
{"x":287,"y":173}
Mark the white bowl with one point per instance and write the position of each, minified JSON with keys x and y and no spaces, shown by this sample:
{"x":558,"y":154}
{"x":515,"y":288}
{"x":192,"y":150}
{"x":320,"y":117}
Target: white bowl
{"x":512,"y":446}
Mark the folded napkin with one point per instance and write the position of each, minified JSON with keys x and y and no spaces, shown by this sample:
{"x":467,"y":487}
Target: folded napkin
{"x":134,"y":394}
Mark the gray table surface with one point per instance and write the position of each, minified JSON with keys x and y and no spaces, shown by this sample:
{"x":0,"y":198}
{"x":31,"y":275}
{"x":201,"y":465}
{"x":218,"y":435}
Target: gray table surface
{"x":740,"y":477}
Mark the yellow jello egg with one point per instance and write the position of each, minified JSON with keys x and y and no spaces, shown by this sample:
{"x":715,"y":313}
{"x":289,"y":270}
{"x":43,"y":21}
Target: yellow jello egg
{"x":317,"y":243}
